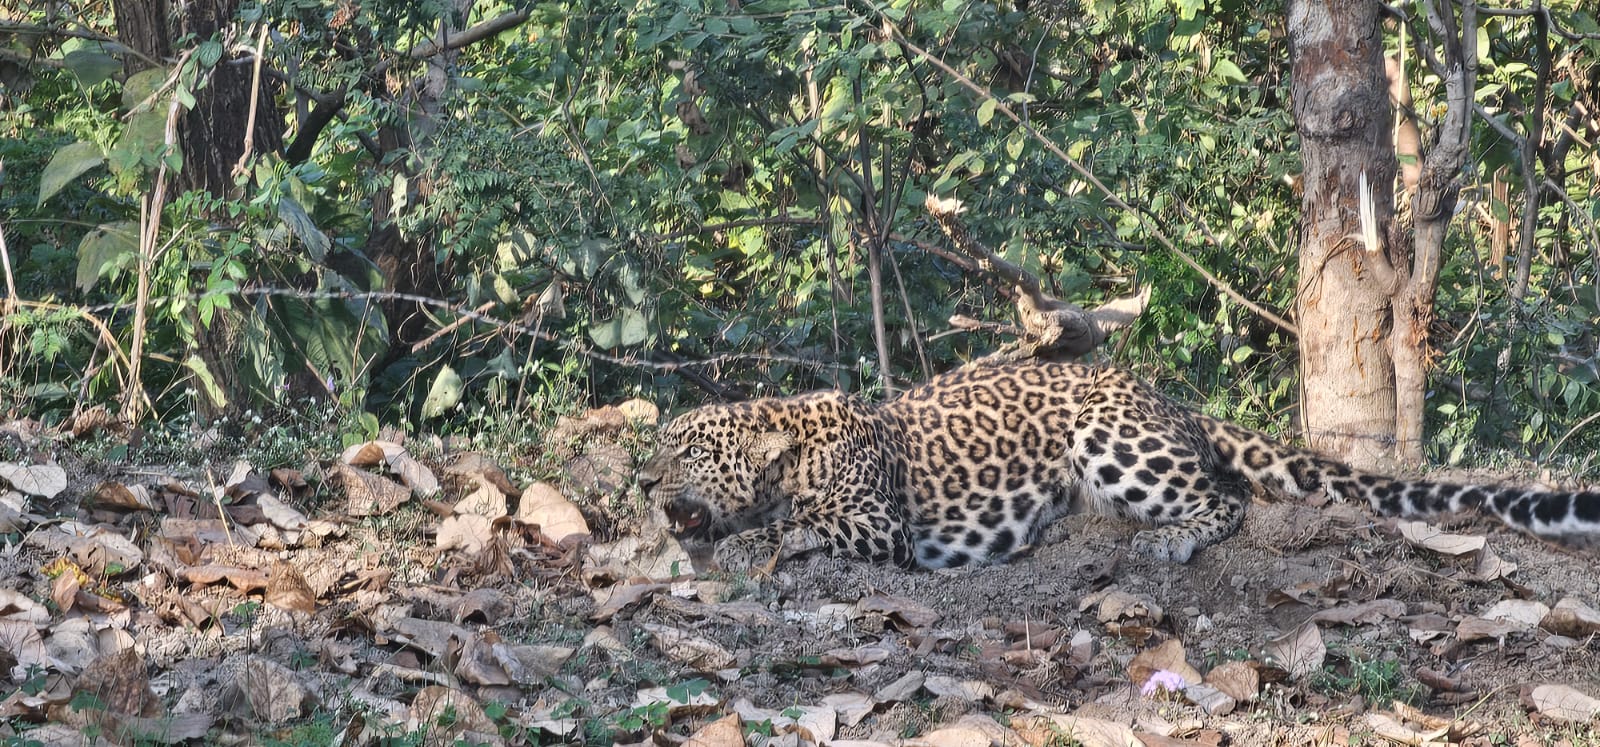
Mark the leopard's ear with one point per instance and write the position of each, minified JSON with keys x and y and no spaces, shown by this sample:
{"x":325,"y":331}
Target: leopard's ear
{"x":767,"y":446}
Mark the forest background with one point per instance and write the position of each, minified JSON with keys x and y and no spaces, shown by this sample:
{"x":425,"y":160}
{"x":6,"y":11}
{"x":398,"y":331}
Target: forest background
{"x":458,"y":216}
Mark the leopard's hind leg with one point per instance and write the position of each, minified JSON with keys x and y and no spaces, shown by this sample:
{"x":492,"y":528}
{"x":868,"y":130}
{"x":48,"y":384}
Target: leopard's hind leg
{"x":1156,"y":465}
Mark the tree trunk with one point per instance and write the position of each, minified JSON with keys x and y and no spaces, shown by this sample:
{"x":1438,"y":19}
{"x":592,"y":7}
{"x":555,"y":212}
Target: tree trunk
{"x":1342,"y":112}
{"x":211,"y":136}
{"x":1433,"y":206}
{"x":408,"y":263}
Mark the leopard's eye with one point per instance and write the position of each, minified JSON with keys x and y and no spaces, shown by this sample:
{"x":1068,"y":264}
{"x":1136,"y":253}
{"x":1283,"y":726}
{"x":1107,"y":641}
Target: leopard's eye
{"x":693,"y":453}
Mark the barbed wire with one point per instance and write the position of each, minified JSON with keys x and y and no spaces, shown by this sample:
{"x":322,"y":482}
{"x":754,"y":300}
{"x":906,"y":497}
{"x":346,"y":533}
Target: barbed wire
{"x":465,"y":312}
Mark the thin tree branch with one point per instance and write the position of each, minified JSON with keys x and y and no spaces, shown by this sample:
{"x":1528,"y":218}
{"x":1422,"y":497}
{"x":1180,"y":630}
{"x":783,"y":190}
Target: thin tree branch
{"x":1529,"y":154}
{"x":704,"y":228}
{"x":110,"y":44}
{"x":1148,"y":223}
{"x":507,"y":20}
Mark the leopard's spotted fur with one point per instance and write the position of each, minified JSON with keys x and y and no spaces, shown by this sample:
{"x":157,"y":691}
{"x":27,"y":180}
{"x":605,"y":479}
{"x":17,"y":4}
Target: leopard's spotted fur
{"x":971,"y":466}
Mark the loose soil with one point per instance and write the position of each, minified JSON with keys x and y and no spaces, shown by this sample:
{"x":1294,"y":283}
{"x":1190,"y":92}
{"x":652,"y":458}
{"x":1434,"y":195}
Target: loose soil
{"x":886,"y":647}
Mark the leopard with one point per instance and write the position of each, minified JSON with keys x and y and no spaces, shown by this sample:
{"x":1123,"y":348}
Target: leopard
{"x":970,"y":467}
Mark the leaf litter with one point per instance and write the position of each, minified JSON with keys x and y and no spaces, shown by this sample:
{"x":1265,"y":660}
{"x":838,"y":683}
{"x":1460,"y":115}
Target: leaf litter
{"x":448,"y":600}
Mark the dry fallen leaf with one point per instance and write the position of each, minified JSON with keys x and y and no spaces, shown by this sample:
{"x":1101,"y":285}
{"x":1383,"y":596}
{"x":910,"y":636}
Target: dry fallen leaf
{"x":242,"y":579}
{"x":1562,"y":703}
{"x":1392,"y":729}
{"x":22,"y":641}
{"x":904,"y":613}
{"x":1167,"y":657}
{"x":483,"y":605}
{"x":613,"y":599}
{"x":689,"y":649}
{"x":1238,"y":679}
{"x":287,"y":589}
{"x":127,"y":497}
{"x":972,"y":691}
{"x":469,"y":533}
{"x":700,"y":702}
{"x":1300,"y":651}
{"x":1523,"y":612}
{"x":368,"y":454}
{"x":531,"y":664}
{"x":727,"y":731}
{"x":485,"y":499}
{"x":69,"y":579}
{"x":1572,"y":618}
{"x":413,"y":474}
{"x":901,"y":689}
{"x":1476,"y":629}
{"x":1114,"y":605}
{"x":119,"y":683}
{"x":542,"y":504}
{"x":282,"y":515}
{"x":653,"y":553}
{"x":451,"y":716}
{"x":15,"y":605}
{"x":367,"y":494}
{"x":1039,"y":731}
{"x":429,"y":636}
{"x":272,"y":692}
{"x":1429,"y":537}
{"x":477,"y":664}
{"x":1365,"y":613}
{"x":851,"y":707}
{"x":950,"y":736}
{"x":41,"y":480}
{"x":1492,"y":567}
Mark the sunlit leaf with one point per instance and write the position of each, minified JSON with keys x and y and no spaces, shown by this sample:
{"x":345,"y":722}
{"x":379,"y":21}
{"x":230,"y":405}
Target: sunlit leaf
{"x":104,"y":250}
{"x":68,"y":163}
{"x":444,"y":394}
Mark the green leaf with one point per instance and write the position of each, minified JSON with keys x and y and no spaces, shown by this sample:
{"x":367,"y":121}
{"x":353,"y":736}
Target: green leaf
{"x":1242,"y":353}
{"x":986,"y":110}
{"x":444,"y":394}
{"x":337,"y":338}
{"x":629,"y":327}
{"x":67,"y":164}
{"x":300,"y":224}
{"x":142,"y":140}
{"x":91,"y":66}
{"x":208,"y":383}
{"x":142,"y":85}
{"x":209,"y":53}
{"x":1226,"y":70}
{"x":105,"y":249}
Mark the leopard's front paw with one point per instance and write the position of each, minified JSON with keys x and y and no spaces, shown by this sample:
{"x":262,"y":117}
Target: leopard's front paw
{"x":1170,"y":544}
{"x":743,"y":553}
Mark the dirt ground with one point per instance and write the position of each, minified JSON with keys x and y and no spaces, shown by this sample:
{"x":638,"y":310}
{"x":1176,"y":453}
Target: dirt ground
{"x":285,"y":613}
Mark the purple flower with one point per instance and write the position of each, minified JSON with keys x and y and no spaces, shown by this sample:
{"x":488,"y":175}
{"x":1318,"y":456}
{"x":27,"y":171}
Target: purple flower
{"x":1163,"y":682}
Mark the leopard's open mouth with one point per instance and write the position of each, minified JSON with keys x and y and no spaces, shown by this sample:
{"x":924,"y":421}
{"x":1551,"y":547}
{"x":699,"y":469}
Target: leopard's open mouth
{"x":685,"y":517}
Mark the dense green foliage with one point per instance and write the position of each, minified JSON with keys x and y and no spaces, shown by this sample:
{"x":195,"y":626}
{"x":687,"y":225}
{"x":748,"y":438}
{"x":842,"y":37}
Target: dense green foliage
{"x":683,"y":196}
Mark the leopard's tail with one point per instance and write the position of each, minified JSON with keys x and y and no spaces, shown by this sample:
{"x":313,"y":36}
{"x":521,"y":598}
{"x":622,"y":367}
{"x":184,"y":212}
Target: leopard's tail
{"x":1298,"y":473}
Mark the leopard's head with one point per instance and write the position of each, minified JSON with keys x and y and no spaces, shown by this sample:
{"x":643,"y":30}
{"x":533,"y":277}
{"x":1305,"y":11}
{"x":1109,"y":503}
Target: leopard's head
{"x":713,"y":472}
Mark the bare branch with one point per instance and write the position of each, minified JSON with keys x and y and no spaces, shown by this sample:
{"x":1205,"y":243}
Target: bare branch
{"x":484,"y":30}
{"x":108,"y":43}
